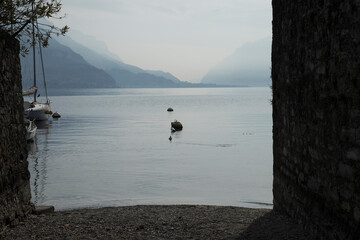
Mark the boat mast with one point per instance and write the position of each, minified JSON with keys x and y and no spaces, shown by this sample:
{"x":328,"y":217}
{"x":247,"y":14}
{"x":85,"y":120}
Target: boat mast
{"x":42,"y":65}
{"x":33,"y":43}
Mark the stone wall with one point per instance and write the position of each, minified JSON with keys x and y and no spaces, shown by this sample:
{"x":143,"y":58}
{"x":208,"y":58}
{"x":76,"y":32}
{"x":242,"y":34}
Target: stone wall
{"x":316,"y":114}
{"x":15,"y":191}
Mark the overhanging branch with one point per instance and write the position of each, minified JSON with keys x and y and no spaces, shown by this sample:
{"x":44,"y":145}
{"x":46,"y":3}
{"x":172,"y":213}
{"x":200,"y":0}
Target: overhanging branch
{"x":20,"y":29}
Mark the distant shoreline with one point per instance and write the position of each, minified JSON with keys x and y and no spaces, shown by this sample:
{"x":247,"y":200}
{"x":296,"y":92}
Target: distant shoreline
{"x":71,"y":91}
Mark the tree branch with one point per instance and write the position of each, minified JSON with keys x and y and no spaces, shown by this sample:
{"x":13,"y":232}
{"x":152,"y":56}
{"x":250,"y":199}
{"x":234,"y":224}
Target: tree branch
{"x":22,"y":27}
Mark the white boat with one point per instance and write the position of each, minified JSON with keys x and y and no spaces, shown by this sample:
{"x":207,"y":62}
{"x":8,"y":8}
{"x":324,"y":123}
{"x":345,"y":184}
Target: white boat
{"x":31,"y":129}
{"x":35,"y":110}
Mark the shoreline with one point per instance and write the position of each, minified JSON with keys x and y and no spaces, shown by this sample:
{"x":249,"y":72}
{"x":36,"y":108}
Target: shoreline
{"x":246,"y":205}
{"x":158,"y":222}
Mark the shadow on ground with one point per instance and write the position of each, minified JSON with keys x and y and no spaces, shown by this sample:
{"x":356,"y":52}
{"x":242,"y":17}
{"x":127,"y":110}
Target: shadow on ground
{"x":273,"y":226}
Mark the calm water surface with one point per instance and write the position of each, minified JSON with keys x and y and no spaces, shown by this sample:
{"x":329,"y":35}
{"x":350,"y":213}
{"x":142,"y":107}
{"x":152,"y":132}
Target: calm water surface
{"x":111,"y":148}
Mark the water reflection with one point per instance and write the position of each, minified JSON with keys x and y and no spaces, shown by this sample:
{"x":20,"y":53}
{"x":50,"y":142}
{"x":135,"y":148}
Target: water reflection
{"x":37,"y":158}
{"x":113,"y":150}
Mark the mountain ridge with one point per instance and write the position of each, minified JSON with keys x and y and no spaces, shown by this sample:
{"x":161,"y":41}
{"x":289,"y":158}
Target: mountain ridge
{"x":69,"y":64}
{"x":64,"y":69}
{"x":248,"y":65}
{"x":112,"y":64}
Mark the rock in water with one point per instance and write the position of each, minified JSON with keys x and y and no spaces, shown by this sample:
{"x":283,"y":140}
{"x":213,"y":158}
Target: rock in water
{"x":177,"y":125}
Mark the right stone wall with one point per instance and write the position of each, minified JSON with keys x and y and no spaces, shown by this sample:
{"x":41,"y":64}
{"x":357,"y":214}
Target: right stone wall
{"x":316,"y":114}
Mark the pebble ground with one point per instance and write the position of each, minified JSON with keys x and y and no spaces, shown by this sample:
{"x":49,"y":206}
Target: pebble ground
{"x":159,"y":222}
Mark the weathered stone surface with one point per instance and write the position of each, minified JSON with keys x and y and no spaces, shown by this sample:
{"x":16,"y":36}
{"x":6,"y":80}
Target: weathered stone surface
{"x":43,"y":210}
{"x":316,"y":106}
{"x":14,"y":175}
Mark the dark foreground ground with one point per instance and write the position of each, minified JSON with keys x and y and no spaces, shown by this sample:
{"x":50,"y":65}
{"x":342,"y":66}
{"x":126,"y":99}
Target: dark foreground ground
{"x":159,"y":222}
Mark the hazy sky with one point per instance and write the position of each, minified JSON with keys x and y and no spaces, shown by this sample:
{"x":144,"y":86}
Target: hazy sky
{"x":183,"y":37}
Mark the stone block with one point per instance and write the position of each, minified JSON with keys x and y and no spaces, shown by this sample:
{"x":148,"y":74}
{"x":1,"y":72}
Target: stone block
{"x":357,"y":214}
{"x":353,"y":154}
{"x":334,"y":196}
{"x":346,"y":192}
{"x":345,"y":206}
{"x":348,"y":135}
{"x":346,"y":171}
{"x":43,"y":210}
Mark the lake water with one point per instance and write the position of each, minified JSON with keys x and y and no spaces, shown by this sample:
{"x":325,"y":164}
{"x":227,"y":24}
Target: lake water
{"x":111,"y":148}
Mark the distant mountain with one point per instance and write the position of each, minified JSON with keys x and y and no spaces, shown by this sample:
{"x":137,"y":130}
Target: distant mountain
{"x":92,"y":43}
{"x":247,"y":66}
{"x":103,"y":61}
{"x":127,"y":79}
{"x":69,"y":64}
{"x":124,"y":74}
{"x":64,"y":69}
{"x":164,"y":75}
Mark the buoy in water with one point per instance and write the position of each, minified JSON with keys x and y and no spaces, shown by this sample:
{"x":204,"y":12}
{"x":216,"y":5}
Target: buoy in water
{"x":170,"y":138}
{"x":170,"y":109}
{"x":56,"y":115}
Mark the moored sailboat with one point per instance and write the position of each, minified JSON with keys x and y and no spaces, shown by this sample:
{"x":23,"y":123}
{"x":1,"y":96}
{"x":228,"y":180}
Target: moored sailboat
{"x":36,"y":110}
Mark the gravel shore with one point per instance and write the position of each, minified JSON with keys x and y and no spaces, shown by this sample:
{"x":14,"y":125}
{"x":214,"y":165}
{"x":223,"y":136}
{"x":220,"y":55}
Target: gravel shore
{"x":159,"y":222}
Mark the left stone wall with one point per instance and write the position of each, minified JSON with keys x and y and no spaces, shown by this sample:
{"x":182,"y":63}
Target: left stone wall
{"x":15,"y":194}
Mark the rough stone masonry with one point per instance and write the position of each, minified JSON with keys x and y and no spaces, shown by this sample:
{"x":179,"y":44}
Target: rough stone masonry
{"x":15,"y":192}
{"x":316,"y":114}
